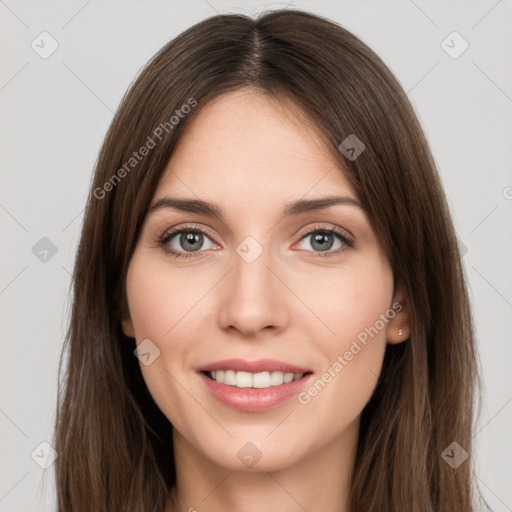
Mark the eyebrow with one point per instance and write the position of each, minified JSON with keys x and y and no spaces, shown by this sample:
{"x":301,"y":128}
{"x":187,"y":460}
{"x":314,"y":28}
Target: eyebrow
{"x":290,"y":209}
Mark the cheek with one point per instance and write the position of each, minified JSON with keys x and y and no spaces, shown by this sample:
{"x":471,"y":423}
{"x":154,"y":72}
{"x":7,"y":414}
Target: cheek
{"x":351,"y":307}
{"x":346,"y":300}
{"x":158,"y":299}
{"x":161,"y":309}
{"x":169,"y":307}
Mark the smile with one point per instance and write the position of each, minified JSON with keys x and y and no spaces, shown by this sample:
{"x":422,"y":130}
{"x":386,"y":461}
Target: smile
{"x":276,"y":388}
{"x":260,"y":380}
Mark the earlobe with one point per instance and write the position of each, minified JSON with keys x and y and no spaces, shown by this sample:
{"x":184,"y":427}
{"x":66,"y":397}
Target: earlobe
{"x":399,"y":326}
{"x":126,"y":321}
{"x":128,"y":327}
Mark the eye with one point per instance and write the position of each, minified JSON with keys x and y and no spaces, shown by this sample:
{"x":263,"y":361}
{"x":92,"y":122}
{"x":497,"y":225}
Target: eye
{"x":187,"y":242}
{"x":184,"y":242}
{"x":322,"y":240}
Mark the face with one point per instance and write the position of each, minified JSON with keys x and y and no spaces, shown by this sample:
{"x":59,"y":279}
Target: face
{"x":300,"y":286}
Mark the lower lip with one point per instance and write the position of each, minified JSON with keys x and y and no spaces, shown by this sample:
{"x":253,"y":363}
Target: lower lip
{"x":254,"y":399}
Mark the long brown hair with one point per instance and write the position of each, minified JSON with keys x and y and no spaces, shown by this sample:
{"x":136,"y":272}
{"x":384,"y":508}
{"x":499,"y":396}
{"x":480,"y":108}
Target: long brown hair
{"x":114,"y":445}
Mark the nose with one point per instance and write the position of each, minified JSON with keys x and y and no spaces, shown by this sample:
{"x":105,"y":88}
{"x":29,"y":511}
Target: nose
{"x":252,"y":296}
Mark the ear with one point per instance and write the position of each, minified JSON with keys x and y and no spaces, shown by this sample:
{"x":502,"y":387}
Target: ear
{"x":399,"y":325}
{"x":126,"y":319}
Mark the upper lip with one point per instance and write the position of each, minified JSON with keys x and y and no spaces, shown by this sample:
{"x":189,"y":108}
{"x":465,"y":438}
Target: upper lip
{"x":260,"y":365}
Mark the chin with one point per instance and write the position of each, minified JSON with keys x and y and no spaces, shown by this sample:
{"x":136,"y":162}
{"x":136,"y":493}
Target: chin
{"x":256,"y":457}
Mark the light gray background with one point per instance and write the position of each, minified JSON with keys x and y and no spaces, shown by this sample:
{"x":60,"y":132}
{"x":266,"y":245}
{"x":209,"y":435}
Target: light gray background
{"x":55,"y":112}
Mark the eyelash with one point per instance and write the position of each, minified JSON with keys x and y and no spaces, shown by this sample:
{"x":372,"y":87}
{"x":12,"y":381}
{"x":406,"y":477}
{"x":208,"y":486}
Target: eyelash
{"x":169,"y":235}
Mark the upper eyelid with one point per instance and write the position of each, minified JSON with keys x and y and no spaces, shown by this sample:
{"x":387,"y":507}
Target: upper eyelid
{"x":320,"y":227}
{"x":192,"y":227}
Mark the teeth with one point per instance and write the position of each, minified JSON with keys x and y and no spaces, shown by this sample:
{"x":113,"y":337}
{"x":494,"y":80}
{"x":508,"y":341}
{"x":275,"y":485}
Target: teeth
{"x":253,"y":380}
{"x":230,"y":377}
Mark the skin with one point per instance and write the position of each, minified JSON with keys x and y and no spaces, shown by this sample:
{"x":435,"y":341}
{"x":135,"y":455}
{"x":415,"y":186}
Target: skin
{"x":249,"y":154}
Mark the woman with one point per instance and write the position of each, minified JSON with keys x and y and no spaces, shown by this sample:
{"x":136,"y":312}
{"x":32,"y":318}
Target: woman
{"x":268,"y":235}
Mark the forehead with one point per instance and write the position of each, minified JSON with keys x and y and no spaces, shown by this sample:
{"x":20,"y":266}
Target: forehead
{"x":247,"y":150}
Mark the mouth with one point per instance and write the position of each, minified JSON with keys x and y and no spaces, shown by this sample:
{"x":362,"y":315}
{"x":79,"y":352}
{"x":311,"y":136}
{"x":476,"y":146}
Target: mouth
{"x":259,"y":380}
{"x":254,"y":392}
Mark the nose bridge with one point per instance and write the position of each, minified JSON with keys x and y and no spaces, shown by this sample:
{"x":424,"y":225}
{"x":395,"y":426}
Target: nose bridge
{"x":251,"y":298}
{"x":252,"y":277}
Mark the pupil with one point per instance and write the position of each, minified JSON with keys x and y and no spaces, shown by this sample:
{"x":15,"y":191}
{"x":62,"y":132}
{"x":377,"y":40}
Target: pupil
{"x":191,"y":239}
{"x":323,"y":241}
